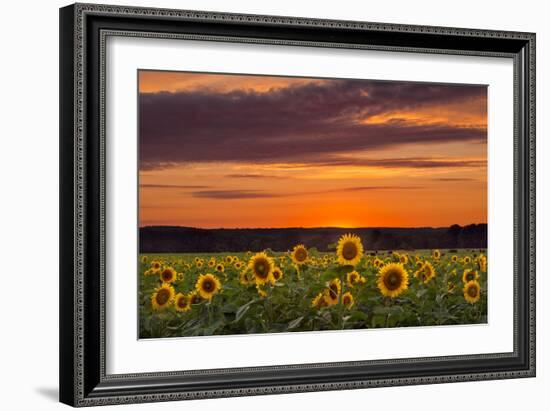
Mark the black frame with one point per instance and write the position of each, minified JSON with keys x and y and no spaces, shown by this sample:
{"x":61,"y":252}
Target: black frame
{"x":83,"y":30}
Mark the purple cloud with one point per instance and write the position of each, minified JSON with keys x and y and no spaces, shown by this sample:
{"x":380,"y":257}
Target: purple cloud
{"x":244,"y":194}
{"x":296,"y":124}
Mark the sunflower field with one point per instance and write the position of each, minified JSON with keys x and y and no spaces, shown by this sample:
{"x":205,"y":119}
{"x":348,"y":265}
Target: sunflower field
{"x":303,"y":289}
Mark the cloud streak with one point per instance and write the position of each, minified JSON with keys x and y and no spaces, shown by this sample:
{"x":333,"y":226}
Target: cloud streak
{"x":254,"y":194}
{"x":175,"y":186}
{"x":257,"y":176}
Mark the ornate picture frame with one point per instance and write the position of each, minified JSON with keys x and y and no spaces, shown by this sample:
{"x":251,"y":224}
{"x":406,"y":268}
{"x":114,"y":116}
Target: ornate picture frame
{"x":84,"y":29}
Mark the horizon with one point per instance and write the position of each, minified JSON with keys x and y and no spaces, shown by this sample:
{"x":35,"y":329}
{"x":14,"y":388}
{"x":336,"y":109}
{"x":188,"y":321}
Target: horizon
{"x":249,"y":151}
{"x":312,"y":228}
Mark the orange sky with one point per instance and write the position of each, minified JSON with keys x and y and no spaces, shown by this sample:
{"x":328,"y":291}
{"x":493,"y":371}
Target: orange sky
{"x":233,"y":151}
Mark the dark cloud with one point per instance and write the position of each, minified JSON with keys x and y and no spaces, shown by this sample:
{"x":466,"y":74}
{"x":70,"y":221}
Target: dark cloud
{"x":244,"y":194}
{"x":256,"y":176}
{"x":412,"y":162}
{"x":232,"y":194}
{"x":294,"y":124}
{"x":192,"y":187}
{"x":454,"y":179}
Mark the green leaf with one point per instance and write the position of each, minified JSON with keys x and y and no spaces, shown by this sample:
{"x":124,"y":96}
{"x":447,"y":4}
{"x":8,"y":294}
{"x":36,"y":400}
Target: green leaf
{"x":244,"y":308}
{"x":294,"y":323}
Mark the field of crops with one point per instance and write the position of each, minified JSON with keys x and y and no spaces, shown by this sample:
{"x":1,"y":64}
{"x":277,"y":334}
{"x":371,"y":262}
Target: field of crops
{"x":306,"y":290}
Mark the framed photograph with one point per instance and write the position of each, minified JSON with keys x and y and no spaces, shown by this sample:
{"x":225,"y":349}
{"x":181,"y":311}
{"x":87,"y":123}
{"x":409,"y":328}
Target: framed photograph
{"x":261,"y":204}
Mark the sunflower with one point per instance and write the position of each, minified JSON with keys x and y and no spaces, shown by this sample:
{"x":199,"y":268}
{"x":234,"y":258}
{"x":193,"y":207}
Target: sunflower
{"x":197,"y":259}
{"x":436,"y":254}
{"x":353,"y":278}
{"x":182,"y":302}
{"x":261,"y":267}
{"x":163,"y":296}
{"x":335,"y":288}
{"x":450,"y":287}
{"x":277,"y":274}
{"x":349,"y":250}
{"x":331,"y":298}
{"x":207,"y":285}
{"x":319,"y":301}
{"x":403,"y":259}
{"x":454,"y":258}
{"x":469,"y":275}
{"x":155,"y":265}
{"x":472,"y":291}
{"x":199,"y":264}
{"x":238,"y":265}
{"x":426,"y":272}
{"x":168,"y":275}
{"x":180,"y":276}
{"x":347,"y":300}
{"x":393,"y":280}
{"x":211,"y":263}
{"x":482,"y":261}
{"x":220,"y":268}
{"x":243,"y":277}
{"x":228,"y":259}
{"x":299,"y":254}
{"x":467,"y":259}
{"x":144,"y":259}
{"x":261,"y":292}
{"x":195,"y":298}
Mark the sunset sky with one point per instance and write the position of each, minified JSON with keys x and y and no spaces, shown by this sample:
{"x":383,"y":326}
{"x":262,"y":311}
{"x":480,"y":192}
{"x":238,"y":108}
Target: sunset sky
{"x":221,"y":150}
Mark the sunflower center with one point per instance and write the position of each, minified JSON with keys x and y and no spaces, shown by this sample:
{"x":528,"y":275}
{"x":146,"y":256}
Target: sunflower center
{"x":333,"y":294}
{"x":276,"y":274}
{"x":207,"y":285}
{"x":182,"y":302}
{"x":301,"y":254}
{"x":347,"y":300}
{"x":163,"y":295}
{"x":349,"y":251}
{"x":392,"y":280}
{"x":472,"y":292}
{"x":166,"y":275}
{"x":470,"y":276}
{"x":261,"y":268}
